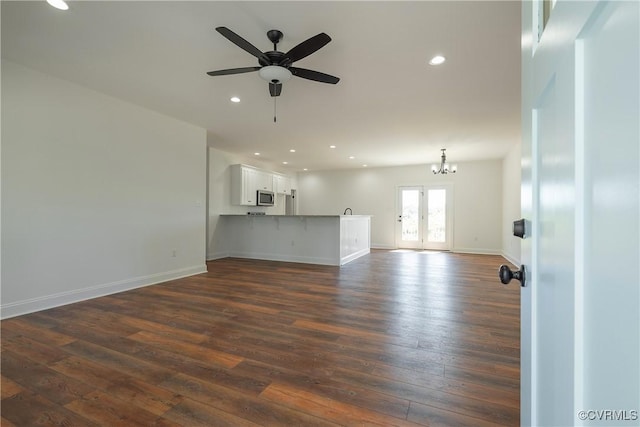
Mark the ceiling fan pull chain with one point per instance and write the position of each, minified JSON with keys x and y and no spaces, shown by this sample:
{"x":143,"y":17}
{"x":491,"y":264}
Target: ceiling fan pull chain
{"x":274,"y":108}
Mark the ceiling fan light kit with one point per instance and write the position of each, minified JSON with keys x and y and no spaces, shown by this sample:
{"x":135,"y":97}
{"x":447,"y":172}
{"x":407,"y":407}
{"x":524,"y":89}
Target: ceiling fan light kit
{"x":275,"y":74}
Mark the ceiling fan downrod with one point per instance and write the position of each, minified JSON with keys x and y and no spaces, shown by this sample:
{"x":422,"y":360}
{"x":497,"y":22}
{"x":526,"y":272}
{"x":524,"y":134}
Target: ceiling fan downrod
{"x":274,"y":108}
{"x":274,"y":36}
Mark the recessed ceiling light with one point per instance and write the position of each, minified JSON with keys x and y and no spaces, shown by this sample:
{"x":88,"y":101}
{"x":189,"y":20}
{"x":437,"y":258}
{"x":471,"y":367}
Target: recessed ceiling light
{"x":285,"y":163}
{"x":256,"y":154}
{"x":292,"y":151}
{"x":305,"y":169}
{"x":437,"y":60}
{"x":58,"y":4}
{"x":352,"y":157}
{"x":235,"y":99}
{"x":332,"y":146}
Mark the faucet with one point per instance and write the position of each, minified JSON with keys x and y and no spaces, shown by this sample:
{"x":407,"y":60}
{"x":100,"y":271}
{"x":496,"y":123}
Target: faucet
{"x":348,"y":209}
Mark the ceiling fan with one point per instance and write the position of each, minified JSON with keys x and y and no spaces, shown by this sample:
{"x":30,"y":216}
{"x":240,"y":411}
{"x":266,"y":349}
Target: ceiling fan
{"x":275,"y":66}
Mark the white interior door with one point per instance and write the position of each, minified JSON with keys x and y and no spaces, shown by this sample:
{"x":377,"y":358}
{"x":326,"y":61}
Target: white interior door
{"x":581,"y":192}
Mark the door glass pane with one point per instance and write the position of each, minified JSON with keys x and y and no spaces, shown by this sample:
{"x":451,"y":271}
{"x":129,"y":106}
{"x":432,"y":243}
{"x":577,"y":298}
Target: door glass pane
{"x":410,"y":215}
{"x":436,"y":215}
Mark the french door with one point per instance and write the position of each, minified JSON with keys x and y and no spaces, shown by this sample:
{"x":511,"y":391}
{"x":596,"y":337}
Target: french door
{"x":424,"y":217}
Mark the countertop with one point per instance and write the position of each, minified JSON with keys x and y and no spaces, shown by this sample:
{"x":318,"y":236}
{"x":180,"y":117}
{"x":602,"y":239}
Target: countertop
{"x":299,"y":216}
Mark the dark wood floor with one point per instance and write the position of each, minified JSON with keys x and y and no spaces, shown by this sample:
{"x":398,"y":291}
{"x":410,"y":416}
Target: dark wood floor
{"x":393,"y":338}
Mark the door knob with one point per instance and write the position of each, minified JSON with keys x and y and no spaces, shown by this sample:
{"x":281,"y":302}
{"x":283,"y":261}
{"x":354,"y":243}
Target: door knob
{"x":506,"y":274}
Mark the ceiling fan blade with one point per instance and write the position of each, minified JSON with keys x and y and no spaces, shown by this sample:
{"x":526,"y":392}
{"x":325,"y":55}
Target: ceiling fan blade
{"x":275,"y":89}
{"x":242,"y":43}
{"x":314,"y":75}
{"x":233,"y":71}
{"x":305,"y":48}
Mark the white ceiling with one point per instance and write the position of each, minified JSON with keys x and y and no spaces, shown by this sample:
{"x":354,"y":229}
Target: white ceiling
{"x":389,"y":108}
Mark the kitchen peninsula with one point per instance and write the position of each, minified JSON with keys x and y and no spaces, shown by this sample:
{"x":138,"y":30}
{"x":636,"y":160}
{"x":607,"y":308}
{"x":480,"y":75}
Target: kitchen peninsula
{"x":313,"y":239}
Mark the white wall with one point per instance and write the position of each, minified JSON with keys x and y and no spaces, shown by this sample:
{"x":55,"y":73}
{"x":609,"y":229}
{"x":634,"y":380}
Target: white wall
{"x":477,"y":189}
{"x":97,"y":194}
{"x":219,"y":190}
{"x":511,"y":203}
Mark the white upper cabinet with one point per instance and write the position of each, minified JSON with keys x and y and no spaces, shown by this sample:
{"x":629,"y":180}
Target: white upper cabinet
{"x":264,"y":180}
{"x":282,"y":184}
{"x":243,"y":185}
{"x":247,"y":180}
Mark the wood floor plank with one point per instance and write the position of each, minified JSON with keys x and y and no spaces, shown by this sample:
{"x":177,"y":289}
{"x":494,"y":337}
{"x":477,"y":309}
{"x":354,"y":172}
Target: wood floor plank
{"x":33,"y":350}
{"x":6,"y":423}
{"x":154,"y":399}
{"x":192,"y":413}
{"x":194,"y":351}
{"x":124,"y":387}
{"x":330,"y":387}
{"x":119,"y":362}
{"x":435,"y":417}
{"x":30,"y":409}
{"x":36,"y":332}
{"x":478,"y":405}
{"x":392,"y":338}
{"x":89,"y":371}
{"x":42,"y":380}
{"x":176,"y":362}
{"x":157,"y":328}
{"x":8,"y":387}
{"x":107,"y":410}
{"x":248,"y":407}
{"x":504,"y":382}
{"x":330,"y":409}
{"x":215,"y":302}
{"x":507,"y":396}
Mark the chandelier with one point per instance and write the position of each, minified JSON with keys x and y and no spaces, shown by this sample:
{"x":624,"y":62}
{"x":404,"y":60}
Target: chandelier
{"x":444,"y":167}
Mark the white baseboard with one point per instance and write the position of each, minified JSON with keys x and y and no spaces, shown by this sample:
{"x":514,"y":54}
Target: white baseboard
{"x":217,"y":255}
{"x":289,"y":258}
{"x":349,"y":258}
{"x":511,"y":259}
{"x":476,"y":251}
{"x":378,"y":246}
{"x":286,"y":258}
{"x":63,"y":298}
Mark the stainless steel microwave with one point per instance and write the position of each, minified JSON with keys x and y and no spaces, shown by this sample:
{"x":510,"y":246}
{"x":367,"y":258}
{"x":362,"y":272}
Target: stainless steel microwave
{"x":265,"y":198}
